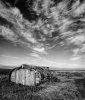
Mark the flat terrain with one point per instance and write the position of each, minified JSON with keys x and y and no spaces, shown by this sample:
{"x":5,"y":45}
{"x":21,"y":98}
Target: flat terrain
{"x":65,"y":85}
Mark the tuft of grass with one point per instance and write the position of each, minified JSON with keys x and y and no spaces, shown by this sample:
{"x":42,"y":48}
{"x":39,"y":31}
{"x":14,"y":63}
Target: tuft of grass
{"x":68,"y":89}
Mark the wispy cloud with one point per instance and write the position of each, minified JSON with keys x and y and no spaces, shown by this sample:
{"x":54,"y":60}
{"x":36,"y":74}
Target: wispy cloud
{"x":15,"y":28}
{"x":42,"y":35}
{"x":6,"y":56}
{"x":75,"y":58}
{"x":35,"y":55}
{"x":39,"y":60}
{"x":41,"y":50}
{"x":39,"y":57}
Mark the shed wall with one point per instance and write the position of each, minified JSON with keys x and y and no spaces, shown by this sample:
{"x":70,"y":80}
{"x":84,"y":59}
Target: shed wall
{"x":25,"y":77}
{"x":13,"y":76}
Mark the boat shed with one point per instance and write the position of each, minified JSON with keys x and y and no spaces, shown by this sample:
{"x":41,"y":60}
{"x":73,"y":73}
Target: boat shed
{"x":27,"y":75}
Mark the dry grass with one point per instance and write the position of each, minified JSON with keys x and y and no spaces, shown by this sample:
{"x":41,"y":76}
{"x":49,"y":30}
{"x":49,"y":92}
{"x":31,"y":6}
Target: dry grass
{"x":63,"y":90}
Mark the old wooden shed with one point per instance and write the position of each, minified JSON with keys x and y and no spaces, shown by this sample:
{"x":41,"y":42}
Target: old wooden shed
{"x":28,"y":75}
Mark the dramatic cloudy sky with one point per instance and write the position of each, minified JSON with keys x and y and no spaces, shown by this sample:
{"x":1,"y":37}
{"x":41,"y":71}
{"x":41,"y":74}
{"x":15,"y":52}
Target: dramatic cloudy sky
{"x":11,"y":54}
{"x":41,"y":32}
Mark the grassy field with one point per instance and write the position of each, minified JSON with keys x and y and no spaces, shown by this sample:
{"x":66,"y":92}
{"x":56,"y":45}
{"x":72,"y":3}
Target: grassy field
{"x":69,"y":86}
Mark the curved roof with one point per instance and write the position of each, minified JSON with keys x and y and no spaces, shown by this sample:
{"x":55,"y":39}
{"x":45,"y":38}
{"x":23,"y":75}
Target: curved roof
{"x":30,"y":67}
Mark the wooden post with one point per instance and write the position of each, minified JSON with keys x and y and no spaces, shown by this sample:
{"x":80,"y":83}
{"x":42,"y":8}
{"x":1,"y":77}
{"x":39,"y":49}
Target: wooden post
{"x":34,"y":77}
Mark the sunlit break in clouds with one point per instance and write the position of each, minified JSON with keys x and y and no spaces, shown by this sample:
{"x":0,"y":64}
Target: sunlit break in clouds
{"x":42,"y":32}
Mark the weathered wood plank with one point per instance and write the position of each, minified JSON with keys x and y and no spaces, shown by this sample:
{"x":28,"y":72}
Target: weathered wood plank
{"x":13,"y":77}
{"x":26,"y":76}
{"x":17,"y":78}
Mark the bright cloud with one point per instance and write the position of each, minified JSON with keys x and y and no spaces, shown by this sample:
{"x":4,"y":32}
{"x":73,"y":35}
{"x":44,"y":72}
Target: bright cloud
{"x":42,"y":50}
{"x":75,"y":58}
{"x":35,"y":55}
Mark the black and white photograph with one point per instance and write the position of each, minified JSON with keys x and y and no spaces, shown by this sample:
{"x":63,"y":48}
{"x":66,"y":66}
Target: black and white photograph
{"x":42,"y":49}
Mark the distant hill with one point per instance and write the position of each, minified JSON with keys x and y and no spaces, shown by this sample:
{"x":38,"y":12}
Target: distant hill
{"x":51,"y":68}
{"x":67,"y":69}
{"x":6,"y":67}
